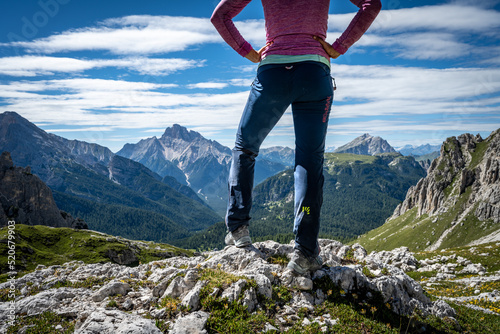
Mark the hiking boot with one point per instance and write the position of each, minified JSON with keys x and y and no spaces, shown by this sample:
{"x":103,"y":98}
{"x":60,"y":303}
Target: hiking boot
{"x":239,"y":237}
{"x":301,"y":264}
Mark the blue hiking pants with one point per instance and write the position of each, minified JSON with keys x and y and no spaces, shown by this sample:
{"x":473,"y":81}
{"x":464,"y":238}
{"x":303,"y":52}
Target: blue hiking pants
{"x":307,"y":86}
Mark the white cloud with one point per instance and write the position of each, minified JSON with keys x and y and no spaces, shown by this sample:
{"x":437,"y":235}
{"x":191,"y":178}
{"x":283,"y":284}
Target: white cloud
{"x":447,"y":17}
{"x":389,"y":126}
{"x":33,"y":65}
{"x":208,"y":85}
{"x":88,"y":129}
{"x":118,"y":104}
{"x":363,"y":91}
{"x":428,"y":32}
{"x":130,"y":35}
{"x":403,"y":89}
{"x":253,"y":31}
{"x":241,"y":82}
{"x":30,"y":66}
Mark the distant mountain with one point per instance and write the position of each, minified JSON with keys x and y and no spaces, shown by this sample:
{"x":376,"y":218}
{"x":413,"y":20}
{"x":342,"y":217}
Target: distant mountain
{"x":456,"y":204}
{"x":113,"y":194}
{"x":426,"y":160}
{"x":330,"y":149}
{"x":201,"y":163}
{"x":360,"y":192}
{"x":366,"y":145}
{"x":424,"y":154}
{"x":278,"y":154}
{"x":419,"y":150}
{"x":25,"y":199}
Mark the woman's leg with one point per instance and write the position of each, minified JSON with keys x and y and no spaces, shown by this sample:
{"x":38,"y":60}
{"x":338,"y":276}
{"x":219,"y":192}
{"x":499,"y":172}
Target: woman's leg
{"x":266,"y":103}
{"x":310,"y":115}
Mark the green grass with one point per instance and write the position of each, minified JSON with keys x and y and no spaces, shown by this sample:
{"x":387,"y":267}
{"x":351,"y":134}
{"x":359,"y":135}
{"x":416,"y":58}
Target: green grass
{"x":349,"y":157}
{"x":44,"y":323}
{"x":45,"y":245}
{"x":382,"y":238}
{"x":280,"y":259}
{"x":478,"y":154}
{"x":418,"y":232}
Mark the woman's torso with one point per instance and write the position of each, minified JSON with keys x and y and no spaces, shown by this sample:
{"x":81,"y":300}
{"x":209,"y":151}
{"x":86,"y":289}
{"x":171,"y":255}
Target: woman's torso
{"x":291,"y":24}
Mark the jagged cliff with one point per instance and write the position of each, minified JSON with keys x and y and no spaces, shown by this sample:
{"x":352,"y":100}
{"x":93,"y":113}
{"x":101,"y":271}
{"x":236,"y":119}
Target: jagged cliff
{"x":456,"y":204}
{"x":25,"y":199}
{"x":466,"y":161}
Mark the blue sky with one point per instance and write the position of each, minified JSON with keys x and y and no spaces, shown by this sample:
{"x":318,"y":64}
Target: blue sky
{"x":113,"y":72}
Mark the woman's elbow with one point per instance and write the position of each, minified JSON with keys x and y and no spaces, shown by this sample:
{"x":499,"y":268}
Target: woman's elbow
{"x":215,"y":18}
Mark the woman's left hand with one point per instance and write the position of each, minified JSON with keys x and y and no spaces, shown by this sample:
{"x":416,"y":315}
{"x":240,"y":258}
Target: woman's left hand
{"x":328,"y":48}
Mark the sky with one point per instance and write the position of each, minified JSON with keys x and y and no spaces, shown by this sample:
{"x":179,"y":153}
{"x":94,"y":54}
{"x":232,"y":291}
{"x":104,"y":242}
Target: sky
{"x":117,"y":71}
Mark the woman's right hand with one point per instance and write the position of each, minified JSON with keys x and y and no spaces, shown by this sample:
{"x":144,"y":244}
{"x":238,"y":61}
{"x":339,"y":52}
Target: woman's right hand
{"x":255,"y":56}
{"x":328,"y":48}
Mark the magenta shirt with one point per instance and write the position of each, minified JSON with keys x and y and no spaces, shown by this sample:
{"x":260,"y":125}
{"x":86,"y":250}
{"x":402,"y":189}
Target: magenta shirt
{"x":290,"y":25}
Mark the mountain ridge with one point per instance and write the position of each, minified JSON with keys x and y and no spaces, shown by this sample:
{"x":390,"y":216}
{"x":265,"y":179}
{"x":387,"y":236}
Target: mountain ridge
{"x":81,"y":177}
{"x":419,"y":150}
{"x":457,"y":203}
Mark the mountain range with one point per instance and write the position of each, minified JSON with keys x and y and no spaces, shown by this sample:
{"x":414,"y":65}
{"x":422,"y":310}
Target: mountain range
{"x":201,"y":163}
{"x":419,"y":150}
{"x":456,"y":204}
{"x":360,"y":192}
{"x":163,"y":188}
{"x":111,"y":193}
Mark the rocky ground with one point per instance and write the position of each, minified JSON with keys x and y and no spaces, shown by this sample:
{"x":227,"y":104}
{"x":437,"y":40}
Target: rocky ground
{"x":467,"y":275}
{"x":232,"y":287}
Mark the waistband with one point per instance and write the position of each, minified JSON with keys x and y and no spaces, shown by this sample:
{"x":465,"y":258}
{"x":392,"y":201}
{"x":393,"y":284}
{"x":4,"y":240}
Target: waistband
{"x":287,"y":59}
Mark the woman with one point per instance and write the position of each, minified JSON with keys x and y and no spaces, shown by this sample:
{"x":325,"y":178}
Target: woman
{"x":294,"y":70}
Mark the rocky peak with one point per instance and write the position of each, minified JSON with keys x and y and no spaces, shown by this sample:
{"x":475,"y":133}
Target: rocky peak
{"x":179,"y":132}
{"x":10,"y":117}
{"x":25,"y":199}
{"x":366,"y":145}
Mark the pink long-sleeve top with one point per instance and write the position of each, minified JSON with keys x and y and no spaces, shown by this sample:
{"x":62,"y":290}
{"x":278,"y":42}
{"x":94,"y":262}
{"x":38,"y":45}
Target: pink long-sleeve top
{"x":290,"y":25}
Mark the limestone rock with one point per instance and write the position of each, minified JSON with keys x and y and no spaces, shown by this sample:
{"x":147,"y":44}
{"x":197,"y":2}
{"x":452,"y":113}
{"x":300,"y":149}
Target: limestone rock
{"x":192,"y":299}
{"x":193,"y":323}
{"x":233,"y":292}
{"x":115,"y":322}
{"x":111,"y":289}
